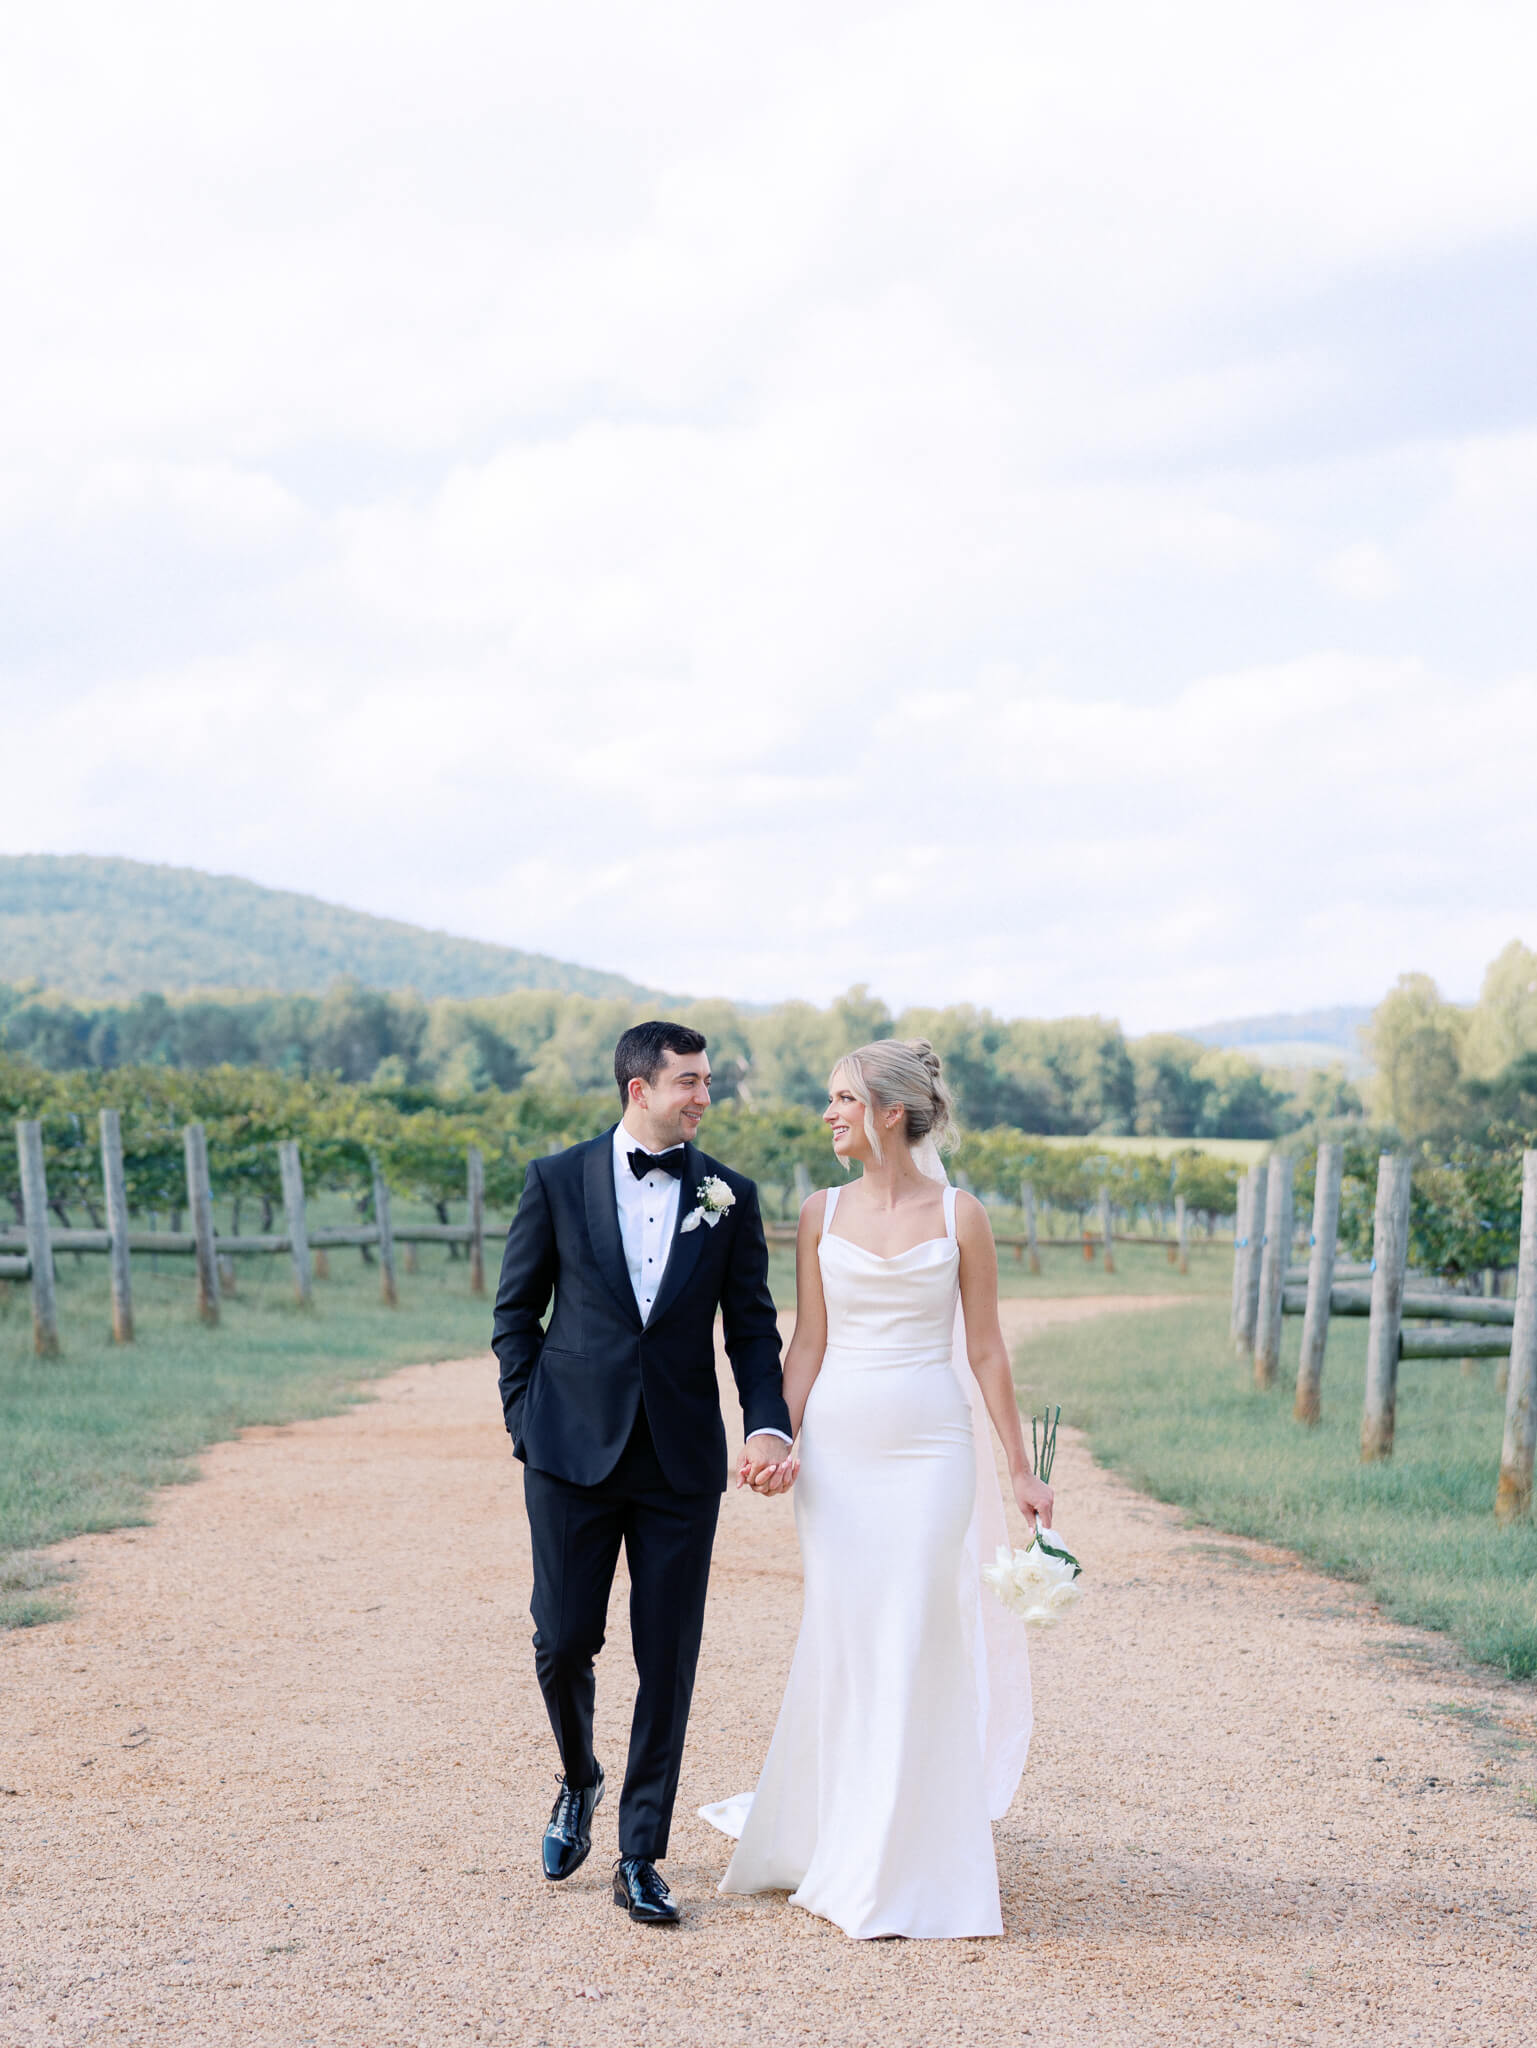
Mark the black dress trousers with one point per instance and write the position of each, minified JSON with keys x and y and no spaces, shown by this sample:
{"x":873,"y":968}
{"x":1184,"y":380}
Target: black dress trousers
{"x":667,"y":1538}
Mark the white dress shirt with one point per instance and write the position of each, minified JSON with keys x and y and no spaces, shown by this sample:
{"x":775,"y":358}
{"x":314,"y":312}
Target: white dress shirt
{"x":648,"y":1216}
{"x":648,"y":1213}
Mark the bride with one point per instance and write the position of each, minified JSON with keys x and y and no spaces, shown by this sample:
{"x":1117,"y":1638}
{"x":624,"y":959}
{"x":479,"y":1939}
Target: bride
{"x":906,"y":1718}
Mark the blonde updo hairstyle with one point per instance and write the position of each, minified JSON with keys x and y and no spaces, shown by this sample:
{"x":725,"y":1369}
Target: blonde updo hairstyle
{"x":899,"y":1072}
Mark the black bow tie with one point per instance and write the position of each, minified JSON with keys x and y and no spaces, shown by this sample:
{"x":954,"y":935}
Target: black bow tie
{"x":671,"y":1162}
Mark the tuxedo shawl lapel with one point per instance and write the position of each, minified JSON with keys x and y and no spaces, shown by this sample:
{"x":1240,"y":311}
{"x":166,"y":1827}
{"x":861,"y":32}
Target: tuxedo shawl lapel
{"x":603,"y":1223}
{"x":683,"y":1254}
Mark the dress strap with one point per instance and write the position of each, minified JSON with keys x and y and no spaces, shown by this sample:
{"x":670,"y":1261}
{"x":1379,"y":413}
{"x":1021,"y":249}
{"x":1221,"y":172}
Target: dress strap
{"x":827,"y":1211}
{"x":949,"y":1209}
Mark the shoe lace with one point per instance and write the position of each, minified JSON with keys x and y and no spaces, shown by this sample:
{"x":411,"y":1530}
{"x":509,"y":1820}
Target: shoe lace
{"x":566,"y":1805}
{"x":648,"y":1881}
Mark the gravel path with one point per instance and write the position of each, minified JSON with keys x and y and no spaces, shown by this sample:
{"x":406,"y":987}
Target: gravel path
{"x":281,"y":1780}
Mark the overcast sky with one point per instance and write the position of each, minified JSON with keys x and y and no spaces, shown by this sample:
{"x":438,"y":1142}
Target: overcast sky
{"x":1031,"y":504}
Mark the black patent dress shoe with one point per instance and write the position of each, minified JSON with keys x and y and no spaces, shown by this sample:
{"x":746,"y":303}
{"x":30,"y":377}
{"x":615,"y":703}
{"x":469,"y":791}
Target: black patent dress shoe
{"x":642,"y":1890}
{"x":568,"y":1837}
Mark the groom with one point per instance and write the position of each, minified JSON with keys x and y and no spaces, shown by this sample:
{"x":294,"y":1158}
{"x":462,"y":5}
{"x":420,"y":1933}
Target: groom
{"x":615,"y":1412}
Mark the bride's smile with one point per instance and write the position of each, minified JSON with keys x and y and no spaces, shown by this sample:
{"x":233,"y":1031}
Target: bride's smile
{"x":845,"y":1118}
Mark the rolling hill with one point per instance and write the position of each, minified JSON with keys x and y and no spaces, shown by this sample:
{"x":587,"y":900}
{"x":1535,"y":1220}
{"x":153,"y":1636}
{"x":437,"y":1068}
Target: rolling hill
{"x":113,"y":929}
{"x":1293,"y":1038}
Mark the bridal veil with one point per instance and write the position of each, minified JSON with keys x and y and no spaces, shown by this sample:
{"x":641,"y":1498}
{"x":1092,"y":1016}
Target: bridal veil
{"x":997,"y":1638}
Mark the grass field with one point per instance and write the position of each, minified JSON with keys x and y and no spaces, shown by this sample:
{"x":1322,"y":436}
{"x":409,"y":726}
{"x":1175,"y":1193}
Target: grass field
{"x":1244,"y":1150}
{"x":85,"y":1438}
{"x":1166,"y":1405}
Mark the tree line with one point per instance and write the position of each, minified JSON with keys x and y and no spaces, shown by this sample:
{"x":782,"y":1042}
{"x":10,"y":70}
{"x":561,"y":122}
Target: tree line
{"x":356,"y":1076}
{"x":1455,"y":1087}
{"x":420,"y":1139}
{"x":1072,"y":1076}
{"x":1446,"y":1074}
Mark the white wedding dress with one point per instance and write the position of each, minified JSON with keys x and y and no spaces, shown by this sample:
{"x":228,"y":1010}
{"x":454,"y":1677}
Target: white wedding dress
{"x":906,"y":1718}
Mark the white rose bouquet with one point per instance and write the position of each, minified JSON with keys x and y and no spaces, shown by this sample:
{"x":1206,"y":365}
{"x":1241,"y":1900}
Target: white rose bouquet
{"x":1038,"y":1583}
{"x":712,"y":1199}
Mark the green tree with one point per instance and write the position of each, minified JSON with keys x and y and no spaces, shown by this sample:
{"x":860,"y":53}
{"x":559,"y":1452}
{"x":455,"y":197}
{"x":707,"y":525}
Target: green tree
{"x":284,"y":1030}
{"x":1240,"y":1101}
{"x":793,"y":1051}
{"x":1327,"y":1095}
{"x":356,"y":1027}
{"x":1507,"y":1103}
{"x":1171,"y":1094}
{"x":1415,"y":1043}
{"x":1504,"y":1021}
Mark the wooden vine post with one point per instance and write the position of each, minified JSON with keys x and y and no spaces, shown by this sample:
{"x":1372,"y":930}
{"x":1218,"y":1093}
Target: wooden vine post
{"x":1390,"y":1260}
{"x":387,"y":1289}
{"x":1240,"y":1239}
{"x":115,"y":1188}
{"x":1027,"y":1207}
{"x":293,"y":1207}
{"x":1104,"y":1229}
{"x":1513,"y":1497}
{"x":34,"y":1208}
{"x":1315,"y":1322}
{"x":200,"y":1210}
{"x":1182,"y":1233}
{"x":1274,"y":1259}
{"x":1248,"y":1307}
{"x":475,"y":1180}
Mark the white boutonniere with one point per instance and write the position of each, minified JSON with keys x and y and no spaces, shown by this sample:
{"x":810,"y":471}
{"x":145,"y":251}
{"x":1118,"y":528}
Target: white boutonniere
{"x":714,"y":1198}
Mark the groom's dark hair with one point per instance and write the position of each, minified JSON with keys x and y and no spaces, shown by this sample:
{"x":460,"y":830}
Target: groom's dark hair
{"x":639,"y":1054}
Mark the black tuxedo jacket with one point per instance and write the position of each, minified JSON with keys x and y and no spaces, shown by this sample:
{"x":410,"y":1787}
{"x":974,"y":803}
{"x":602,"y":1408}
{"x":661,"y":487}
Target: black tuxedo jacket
{"x":571,"y":1393}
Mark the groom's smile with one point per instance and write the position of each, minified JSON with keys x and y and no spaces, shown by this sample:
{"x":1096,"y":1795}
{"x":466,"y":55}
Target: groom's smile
{"x":666,"y":1110}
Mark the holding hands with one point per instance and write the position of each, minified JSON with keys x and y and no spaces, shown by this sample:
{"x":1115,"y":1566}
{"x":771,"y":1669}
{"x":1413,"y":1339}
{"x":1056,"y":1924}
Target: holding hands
{"x":768,"y":1465}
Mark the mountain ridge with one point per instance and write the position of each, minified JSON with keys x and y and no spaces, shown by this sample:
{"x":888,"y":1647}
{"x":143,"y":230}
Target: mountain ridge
{"x":1334,"y":1024}
{"x":1327,"y":1036}
{"x":102,"y":927}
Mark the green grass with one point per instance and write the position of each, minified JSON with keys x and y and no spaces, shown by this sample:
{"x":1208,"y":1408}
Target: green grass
{"x":1139,"y":1269}
{"x":25,"y":1595}
{"x":1166,"y":1405}
{"x":87,"y":1437}
{"x":1244,"y":1150}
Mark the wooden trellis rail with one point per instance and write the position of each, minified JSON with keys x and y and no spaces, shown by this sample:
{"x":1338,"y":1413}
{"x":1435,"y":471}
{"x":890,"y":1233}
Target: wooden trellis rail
{"x":1471,"y":1326}
{"x":29,"y":1253}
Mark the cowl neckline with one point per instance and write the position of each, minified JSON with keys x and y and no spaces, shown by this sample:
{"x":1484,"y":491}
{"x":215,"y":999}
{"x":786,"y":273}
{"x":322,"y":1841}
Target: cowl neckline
{"x":886,"y":1258}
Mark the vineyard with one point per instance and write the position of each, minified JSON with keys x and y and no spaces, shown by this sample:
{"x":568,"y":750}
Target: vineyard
{"x":418,"y":1141}
{"x":1464,"y":1211}
{"x":111,"y":1162}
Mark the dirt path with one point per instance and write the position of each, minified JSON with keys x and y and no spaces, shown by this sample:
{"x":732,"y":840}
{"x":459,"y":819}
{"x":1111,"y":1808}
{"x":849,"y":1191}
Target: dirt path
{"x":282,"y":1778}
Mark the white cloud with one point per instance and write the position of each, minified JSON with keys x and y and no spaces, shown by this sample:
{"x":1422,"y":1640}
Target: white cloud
{"x":1364,"y":571}
{"x":892,"y":498}
{"x":1012,"y":845}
